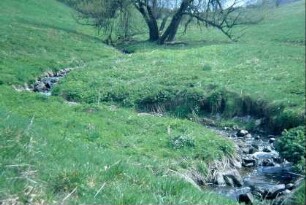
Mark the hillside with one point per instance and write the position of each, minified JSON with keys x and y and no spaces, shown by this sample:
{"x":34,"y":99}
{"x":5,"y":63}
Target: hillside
{"x":261,"y":75}
{"x":108,"y":133}
{"x":50,"y":147}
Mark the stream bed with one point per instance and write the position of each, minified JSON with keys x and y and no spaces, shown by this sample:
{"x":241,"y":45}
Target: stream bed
{"x":263,"y":174}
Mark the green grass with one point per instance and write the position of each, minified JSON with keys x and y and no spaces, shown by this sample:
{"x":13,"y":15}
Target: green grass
{"x":61,"y":147}
{"x":299,"y":195}
{"x":50,"y":148}
{"x":33,"y":42}
{"x":265,"y":69}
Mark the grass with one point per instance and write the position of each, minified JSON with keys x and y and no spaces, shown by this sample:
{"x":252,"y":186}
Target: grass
{"x":101,"y":150}
{"x":299,"y":196}
{"x":94,"y":145}
{"x":53,"y":152}
{"x":264,"y":70}
{"x":32,"y":43}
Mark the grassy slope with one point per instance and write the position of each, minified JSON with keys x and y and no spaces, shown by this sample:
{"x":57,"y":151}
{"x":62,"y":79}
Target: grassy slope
{"x":49,"y":147}
{"x":88,"y":146}
{"x":32,"y":42}
{"x":267,"y":64}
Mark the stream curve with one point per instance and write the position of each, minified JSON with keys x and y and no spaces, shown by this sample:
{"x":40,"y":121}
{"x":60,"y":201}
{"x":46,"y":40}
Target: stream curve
{"x":258,"y":173}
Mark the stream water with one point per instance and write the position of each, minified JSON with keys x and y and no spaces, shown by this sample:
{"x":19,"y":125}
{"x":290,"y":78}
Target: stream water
{"x":262,"y":173}
{"x":265,"y":175}
{"x":46,"y":82}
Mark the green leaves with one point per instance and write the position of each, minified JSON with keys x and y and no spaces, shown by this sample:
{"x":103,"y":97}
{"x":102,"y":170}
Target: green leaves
{"x":291,"y":146}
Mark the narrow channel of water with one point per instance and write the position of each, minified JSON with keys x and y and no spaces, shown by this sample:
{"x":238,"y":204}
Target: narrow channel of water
{"x":265,"y":175}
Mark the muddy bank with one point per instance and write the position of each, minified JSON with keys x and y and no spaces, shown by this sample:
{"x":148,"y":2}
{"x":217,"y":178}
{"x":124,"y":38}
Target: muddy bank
{"x":221,"y":103}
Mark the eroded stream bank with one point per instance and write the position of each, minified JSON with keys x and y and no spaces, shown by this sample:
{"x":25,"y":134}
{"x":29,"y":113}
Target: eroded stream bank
{"x":257,"y":173}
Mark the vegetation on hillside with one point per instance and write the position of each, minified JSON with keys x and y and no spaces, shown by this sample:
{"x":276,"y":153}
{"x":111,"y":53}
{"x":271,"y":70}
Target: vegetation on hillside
{"x":261,"y":75}
{"x":292,"y":147}
{"x":88,"y":143}
{"x":50,"y":149}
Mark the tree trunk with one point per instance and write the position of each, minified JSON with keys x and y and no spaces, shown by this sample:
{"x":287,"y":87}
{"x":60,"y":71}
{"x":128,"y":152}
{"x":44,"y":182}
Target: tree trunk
{"x":171,"y":30}
{"x":153,"y":27}
{"x":153,"y":31}
{"x":150,"y":20}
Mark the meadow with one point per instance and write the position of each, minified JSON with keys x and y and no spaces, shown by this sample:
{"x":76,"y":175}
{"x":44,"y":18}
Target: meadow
{"x":108,"y":134}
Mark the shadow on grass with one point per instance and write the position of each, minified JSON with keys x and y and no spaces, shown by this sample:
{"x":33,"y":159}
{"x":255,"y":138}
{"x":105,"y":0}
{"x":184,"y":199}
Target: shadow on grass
{"x":133,"y":46}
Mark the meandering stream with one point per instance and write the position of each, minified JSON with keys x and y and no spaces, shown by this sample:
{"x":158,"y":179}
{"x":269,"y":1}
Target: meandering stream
{"x":258,"y":173}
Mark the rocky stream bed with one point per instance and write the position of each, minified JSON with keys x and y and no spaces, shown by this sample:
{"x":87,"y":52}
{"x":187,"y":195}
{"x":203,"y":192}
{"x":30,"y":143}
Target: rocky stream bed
{"x":257,"y":173}
{"x":45,"y":82}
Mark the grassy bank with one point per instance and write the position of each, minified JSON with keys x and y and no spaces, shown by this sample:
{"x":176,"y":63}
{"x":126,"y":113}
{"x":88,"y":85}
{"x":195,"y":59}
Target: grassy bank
{"x":53,"y":148}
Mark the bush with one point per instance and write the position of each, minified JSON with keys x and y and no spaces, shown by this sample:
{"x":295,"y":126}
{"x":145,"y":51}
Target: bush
{"x":291,"y":146}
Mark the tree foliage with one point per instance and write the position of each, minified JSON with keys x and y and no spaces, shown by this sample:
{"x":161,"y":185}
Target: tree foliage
{"x":162,"y":17}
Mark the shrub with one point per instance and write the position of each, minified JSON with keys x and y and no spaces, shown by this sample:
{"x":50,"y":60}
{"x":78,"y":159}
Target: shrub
{"x":291,"y":146}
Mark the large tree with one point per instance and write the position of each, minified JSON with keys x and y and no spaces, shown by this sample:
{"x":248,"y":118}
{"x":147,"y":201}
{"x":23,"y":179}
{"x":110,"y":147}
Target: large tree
{"x":163,"y":17}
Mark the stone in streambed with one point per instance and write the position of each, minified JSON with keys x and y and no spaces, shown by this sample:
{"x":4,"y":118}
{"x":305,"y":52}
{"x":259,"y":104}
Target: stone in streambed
{"x":229,"y":181}
{"x":54,"y":79}
{"x":267,"y":149}
{"x":290,"y":186}
{"x":233,"y":177}
{"x":219,"y":180}
{"x":274,"y":191}
{"x":249,"y":162}
{"x":246,"y":198}
{"x":255,"y":145}
{"x":272,"y":140}
{"x":252,"y":150}
{"x":270,"y":191}
{"x":287,"y":191}
{"x":242,"y":133}
{"x":245,"y":150}
{"x":47,"y":82}
{"x":236,"y":163}
{"x":267,"y":162}
{"x":257,"y":137}
{"x":278,"y":160}
{"x":248,"y":136}
{"x":39,"y":87}
{"x":265,"y":155}
{"x":230,"y":178}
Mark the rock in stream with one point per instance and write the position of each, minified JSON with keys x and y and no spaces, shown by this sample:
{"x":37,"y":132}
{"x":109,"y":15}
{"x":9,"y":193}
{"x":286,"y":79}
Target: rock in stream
{"x":264,"y":174}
